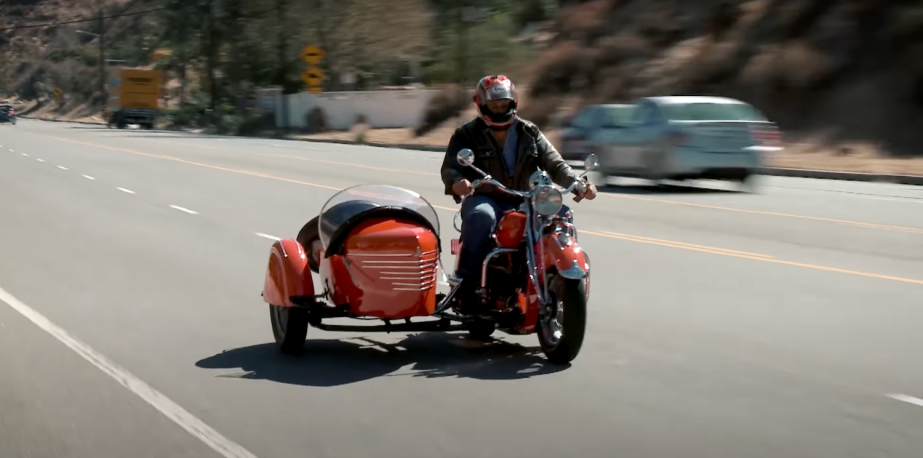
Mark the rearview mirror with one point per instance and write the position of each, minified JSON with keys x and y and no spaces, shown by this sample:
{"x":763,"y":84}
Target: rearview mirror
{"x":591,"y":163}
{"x":466,"y":157}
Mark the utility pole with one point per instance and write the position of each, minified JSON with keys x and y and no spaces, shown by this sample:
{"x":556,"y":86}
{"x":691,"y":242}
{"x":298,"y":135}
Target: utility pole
{"x":102,"y":63}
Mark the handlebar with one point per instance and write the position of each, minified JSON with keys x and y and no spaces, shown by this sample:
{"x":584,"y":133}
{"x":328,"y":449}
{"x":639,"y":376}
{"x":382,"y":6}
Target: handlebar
{"x":523,"y":194}
{"x":466,"y":158}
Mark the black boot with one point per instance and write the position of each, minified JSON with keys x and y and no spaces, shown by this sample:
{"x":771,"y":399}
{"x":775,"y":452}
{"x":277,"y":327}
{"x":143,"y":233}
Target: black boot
{"x":467,"y":300}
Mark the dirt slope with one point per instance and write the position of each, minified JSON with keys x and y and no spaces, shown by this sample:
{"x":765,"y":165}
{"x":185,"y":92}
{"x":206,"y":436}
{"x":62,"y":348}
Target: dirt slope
{"x":847,"y":69}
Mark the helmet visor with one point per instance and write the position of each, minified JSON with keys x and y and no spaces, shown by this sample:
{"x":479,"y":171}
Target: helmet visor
{"x":501,"y":91}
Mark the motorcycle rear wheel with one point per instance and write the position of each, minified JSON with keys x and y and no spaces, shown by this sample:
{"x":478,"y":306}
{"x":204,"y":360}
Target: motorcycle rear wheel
{"x":561,"y":334}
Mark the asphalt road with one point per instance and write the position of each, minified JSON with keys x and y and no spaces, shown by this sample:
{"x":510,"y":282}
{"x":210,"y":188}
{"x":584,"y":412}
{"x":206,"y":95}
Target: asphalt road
{"x":784,"y":323}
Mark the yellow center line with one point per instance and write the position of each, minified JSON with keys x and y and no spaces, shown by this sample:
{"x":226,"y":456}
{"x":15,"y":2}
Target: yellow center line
{"x":757,"y":258}
{"x":912,"y":230}
{"x":630,"y":238}
{"x":384,"y":169}
{"x":767,"y":213}
{"x":681,"y":244}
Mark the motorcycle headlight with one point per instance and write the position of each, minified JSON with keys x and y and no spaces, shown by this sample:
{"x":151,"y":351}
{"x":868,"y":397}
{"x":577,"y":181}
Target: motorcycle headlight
{"x":548,"y":200}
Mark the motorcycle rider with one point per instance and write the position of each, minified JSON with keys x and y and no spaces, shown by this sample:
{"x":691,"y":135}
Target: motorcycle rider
{"x":508,"y":148}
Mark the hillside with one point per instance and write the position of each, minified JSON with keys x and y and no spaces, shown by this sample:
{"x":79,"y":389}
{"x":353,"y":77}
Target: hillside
{"x":215,"y":58}
{"x":844,"y":69}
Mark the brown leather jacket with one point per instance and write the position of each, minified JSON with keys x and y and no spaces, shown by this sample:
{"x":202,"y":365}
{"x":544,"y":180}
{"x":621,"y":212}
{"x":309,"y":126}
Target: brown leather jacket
{"x":534,"y":153}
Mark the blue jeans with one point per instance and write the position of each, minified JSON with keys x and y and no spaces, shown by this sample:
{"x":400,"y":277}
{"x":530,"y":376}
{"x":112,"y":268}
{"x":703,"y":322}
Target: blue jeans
{"x":480,"y":215}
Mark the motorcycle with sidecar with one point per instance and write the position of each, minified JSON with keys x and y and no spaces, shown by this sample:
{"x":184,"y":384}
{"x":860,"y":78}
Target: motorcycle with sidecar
{"x":376,"y":251}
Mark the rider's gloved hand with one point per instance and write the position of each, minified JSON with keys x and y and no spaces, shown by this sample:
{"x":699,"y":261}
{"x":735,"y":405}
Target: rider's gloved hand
{"x":461,"y":187}
{"x":586,"y":191}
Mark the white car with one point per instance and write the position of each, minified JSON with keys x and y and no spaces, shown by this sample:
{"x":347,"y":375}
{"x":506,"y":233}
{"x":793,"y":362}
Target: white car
{"x":687,"y":137}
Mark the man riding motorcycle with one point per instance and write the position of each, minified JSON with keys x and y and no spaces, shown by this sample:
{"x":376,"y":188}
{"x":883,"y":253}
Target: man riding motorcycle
{"x":508,"y":148}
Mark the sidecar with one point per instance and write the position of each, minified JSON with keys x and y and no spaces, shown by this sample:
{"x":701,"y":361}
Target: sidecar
{"x":372,"y":253}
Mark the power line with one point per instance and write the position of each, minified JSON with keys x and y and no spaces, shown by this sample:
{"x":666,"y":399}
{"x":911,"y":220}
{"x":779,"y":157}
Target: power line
{"x":79,"y":21}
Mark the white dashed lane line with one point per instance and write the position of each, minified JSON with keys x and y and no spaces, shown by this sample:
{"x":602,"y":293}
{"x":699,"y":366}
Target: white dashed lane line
{"x":88,"y":177}
{"x":908,"y":399}
{"x":267,"y":236}
{"x":24,"y":154}
{"x":40,"y":160}
{"x":62,"y":167}
{"x":129,"y":191}
{"x":186,"y":210}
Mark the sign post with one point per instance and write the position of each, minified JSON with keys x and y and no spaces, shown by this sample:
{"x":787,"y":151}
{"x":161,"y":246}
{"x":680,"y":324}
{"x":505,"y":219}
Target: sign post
{"x":313,"y":76}
{"x":57,"y":95}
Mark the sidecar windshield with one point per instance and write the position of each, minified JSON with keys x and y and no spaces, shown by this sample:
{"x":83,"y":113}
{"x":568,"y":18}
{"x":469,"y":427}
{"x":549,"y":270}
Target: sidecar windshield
{"x":345,"y":206}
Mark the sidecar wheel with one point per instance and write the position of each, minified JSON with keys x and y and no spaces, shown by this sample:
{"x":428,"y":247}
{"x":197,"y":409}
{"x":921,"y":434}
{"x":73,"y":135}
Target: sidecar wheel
{"x":561,"y":334}
{"x":289,"y":327}
{"x":307,"y":237}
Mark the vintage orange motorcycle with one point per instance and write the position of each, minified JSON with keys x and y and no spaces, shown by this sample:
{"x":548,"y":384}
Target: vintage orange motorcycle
{"x":376,"y":251}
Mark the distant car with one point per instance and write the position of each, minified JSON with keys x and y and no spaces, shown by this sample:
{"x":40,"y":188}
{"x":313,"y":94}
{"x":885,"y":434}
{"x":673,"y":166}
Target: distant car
{"x":7,"y":113}
{"x":575,"y":144}
{"x":687,"y":137}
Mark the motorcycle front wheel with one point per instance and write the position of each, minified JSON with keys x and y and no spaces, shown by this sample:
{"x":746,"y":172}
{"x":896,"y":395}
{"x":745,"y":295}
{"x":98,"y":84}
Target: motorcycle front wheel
{"x":561,"y":332}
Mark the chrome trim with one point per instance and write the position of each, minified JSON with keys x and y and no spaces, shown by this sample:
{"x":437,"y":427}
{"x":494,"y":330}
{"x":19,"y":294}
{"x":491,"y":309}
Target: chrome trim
{"x":574,"y":272}
{"x":419,"y":274}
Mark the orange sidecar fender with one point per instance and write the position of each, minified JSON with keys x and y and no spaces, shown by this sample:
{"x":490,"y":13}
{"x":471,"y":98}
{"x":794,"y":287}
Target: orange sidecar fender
{"x":287,"y":274}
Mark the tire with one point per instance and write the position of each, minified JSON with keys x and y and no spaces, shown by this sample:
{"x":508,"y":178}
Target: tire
{"x":289,"y":327}
{"x":748,"y":184}
{"x":571,"y":294}
{"x":309,"y":234}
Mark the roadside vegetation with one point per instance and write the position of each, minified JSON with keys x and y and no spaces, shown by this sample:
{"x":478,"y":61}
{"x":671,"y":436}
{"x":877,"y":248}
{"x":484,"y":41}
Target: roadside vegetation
{"x":840,"y":70}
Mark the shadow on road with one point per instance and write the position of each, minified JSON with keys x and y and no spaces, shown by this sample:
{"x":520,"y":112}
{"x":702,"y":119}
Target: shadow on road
{"x":330,"y":363}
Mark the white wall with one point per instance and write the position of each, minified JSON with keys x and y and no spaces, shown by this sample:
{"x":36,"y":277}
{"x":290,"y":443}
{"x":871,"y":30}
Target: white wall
{"x":382,"y":109}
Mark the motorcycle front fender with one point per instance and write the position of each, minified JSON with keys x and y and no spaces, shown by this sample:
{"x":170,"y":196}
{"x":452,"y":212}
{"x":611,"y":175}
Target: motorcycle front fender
{"x":566,"y":256}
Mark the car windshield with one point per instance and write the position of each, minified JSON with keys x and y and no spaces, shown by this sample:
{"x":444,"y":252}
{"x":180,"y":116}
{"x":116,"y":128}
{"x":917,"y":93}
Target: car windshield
{"x":353,"y":201}
{"x":712,"y":112}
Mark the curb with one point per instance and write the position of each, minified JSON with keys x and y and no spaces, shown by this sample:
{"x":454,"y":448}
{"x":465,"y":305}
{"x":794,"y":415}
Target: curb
{"x":430,"y":148}
{"x":100,"y":123}
{"x":911,"y":180}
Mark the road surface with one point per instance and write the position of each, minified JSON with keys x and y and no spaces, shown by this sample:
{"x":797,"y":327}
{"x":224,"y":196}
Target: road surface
{"x":724,"y":325}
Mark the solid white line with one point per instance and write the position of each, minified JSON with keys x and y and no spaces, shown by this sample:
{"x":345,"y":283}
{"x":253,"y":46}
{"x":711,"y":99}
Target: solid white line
{"x":126,"y":190}
{"x":267,"y":236}
{"x":40,"y":160}
{"x":170,"y":409}
{"x":62,"y":168}
{"x":907,"y":399}
{"x":88,"y":177}
{"x":191,"y":212}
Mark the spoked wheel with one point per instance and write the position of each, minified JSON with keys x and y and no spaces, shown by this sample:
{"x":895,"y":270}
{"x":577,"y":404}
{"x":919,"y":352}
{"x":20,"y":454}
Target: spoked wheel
{"x":289,"y":327}
{"x":308,"y":237}
{"x":561,"y":332}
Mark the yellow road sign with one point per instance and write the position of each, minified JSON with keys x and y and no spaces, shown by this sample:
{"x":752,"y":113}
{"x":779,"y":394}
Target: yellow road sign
{"x":313,"y":76}
{"x":312,"y":54}
{"x":57,"y":92}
